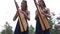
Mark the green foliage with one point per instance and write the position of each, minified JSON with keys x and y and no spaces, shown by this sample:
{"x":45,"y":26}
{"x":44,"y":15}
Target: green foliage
{"x":31,"y":29}
{"x":7,"y":30}
{"x":58,"y":18}
{"x":56,"y":28}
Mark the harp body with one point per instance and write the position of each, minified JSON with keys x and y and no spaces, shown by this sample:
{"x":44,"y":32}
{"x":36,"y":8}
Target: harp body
{"x":23,"y":24}
{"x":22,"y":21}
{"x":43,"y":21}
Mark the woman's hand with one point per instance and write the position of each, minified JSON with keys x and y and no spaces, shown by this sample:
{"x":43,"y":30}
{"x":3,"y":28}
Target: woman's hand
{"x":42,"y":12}
{"x":46,"y":14}
{"x":22,"y":12}
{"x":15,"y":17}
{"x":25,"y":14}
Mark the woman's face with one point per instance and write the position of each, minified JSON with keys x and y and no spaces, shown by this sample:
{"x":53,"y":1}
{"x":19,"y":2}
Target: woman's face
{"x":23,"y":4}
{"x":40,"y":3}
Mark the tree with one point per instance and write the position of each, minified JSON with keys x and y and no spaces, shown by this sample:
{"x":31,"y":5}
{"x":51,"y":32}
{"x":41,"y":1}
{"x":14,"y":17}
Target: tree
{"x":7,"y":30}
{"x":3,"y":32}
{"x":56,"y":29}
{"x":58,"y":25}
{"x":58,"y":19}
{"x":31,"y":29}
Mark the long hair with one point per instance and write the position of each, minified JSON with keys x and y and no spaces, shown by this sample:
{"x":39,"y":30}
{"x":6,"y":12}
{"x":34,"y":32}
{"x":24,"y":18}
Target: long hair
{"x":44,"y":3}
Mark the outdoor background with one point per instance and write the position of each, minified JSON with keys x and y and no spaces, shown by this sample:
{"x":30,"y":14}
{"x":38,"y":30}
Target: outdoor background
{"x":8,"y":10}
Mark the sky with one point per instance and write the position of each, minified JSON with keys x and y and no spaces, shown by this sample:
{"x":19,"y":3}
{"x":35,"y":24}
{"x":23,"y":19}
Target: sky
{"x":8,"y":10}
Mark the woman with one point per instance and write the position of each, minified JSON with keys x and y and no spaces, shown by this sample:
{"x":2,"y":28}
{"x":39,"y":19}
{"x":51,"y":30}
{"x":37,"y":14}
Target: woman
{"x":46,"y":12}
{"x":26,"y":13}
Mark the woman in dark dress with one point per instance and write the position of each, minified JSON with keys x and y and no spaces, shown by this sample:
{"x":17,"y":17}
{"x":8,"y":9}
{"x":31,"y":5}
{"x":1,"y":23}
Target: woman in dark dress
{"x":27,"y":17}
{"x":45,"y":12}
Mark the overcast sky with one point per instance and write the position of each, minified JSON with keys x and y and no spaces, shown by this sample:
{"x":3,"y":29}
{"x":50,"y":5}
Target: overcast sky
{"x":8,"y":10}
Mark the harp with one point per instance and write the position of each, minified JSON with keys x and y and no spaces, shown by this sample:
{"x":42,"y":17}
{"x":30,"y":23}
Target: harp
{"x":43,"y":21}
{"x":22,"y":21}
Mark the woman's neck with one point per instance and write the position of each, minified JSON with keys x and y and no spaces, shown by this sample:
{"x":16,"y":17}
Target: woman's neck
{"x":23,"y":9}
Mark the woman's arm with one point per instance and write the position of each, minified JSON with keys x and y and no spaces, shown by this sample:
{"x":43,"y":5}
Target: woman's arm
{"x":48,"y":13}
{"x":28,"y":15}
{"x":36,"y":14}
{"x":16,"y":15}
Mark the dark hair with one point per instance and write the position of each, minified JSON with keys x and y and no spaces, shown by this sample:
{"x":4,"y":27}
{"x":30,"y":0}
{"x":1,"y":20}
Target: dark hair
{"x":25,"y":3}
{"x":43,"y":3}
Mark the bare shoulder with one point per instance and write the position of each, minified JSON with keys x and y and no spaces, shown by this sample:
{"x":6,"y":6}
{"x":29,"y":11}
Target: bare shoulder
{"x":47,"y":9}
{"x":36,"y":11}
{"x":20,"y":10}
{"x":28,"y":11}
